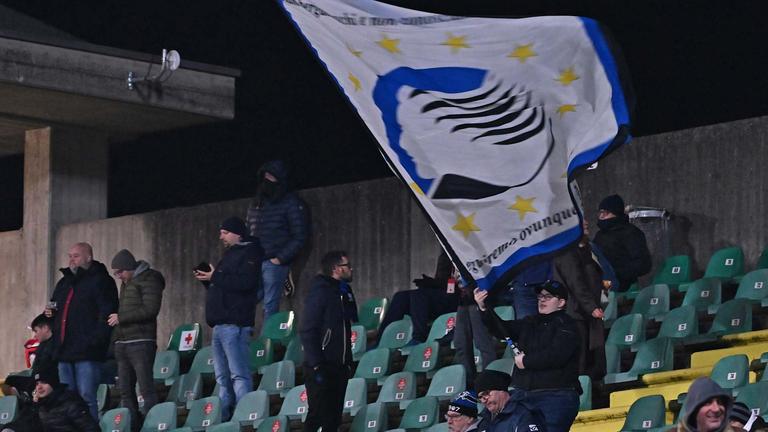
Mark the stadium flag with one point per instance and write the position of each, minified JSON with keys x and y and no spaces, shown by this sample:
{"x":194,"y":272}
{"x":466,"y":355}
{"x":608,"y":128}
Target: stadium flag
{"x":484,"y":119}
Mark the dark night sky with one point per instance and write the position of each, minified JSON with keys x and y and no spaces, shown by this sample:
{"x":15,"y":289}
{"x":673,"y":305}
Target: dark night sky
{"x":691,"y":62}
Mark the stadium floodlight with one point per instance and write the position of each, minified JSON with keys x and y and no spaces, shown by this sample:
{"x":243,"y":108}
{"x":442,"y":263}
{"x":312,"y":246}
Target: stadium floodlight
{"x":170,"y":62}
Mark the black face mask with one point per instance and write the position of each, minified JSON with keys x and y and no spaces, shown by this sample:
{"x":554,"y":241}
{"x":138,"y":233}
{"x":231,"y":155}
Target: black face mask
{"x":268,"y":190}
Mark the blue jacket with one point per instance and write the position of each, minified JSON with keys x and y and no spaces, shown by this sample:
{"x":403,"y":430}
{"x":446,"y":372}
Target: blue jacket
{"x":235,"y":286}
{"x":329,"y":310}
{"x":516,"y":416}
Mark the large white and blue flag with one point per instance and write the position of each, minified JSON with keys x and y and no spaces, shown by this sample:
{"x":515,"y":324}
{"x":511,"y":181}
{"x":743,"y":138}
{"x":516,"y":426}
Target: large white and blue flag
{"x":485,"y":119}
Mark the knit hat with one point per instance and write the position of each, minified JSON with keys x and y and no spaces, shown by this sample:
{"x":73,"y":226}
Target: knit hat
{"x":490,"y":379}
{"x":613,"y":204}
{"x":235,"y":225}
{"x":740,"y":412}
{"x":49,"y":376}
{"x":124,"y":260}
{"x":464,"y":404}
{"x":553,"y":287}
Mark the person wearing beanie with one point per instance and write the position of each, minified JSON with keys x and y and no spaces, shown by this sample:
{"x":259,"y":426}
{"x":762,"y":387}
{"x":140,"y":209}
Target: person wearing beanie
{"x":60,"y":409}
{"x":740,"y":415}
{"x":504,"y":411}
{"x":233,"y":289}
{"x":622,"y":243}
{"x":462,"y":412}
{"x":135,"y":331}
{"x":707,"y":408}
{"x":546,"y":365}
{"x":279,"y":219}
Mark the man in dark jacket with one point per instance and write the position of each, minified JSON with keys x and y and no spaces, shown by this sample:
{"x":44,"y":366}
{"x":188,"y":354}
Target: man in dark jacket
{"x":622,"y":243}
{"x":60,"y":409}
{"x":505,"y":411}
{"x":278,"y":218}
{"x":329,"y":310}
{"x":707,"y":407}
{"x":135,"y":331}
{"x":82,"y":301}
{"x":233,"y":291}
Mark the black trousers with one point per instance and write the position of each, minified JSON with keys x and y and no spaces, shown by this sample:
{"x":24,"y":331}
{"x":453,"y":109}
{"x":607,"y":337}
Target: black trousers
{"x":134,"y":363}
{"x":325,"y":396}
{"x":423,"y":305}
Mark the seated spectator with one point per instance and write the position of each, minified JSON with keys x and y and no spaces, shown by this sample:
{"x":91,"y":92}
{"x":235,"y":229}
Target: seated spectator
{"x":742,"y":418}
{"x":546,"y":367}
{"x":462,"y":412}
{"x":706,"y":408}
{"x":504,"y":411}
{"x":60,"y":409}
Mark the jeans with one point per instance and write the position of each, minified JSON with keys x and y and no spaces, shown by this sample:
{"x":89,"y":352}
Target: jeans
{"x":469,"y":333}
{"x":524,"y":301}
{"x":231,"y":364}
{"x":82,"y":377}
{"x":134,"y":363}
{"x":559,"y":407}
{"x":273,"y":277}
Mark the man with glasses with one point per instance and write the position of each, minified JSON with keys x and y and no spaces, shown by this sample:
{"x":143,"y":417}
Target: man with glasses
{"x":504,"y":411}
{"x":462,"y":412}
{"x":546,"y":368}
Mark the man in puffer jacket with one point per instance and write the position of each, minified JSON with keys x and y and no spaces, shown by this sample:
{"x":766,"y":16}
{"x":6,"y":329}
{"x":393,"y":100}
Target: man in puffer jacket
{"x":278,"y":218}
{"x":706,"y":408}
{"x":135,"y":331}
{"x":60,"y":409}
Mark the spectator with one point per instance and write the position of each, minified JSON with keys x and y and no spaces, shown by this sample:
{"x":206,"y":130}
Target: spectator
{"x":232,"y":293}
{"x":546,"y":370}
{"x":82,"y":301}
{"x":278,"y":218}
{"x":505,"y":412}
{"x":521,"y":292}
{"x":329,"y":311}
{"x":462,"y":412}
{"x":707,"y":408}
{"x":60,"y":409}
{"x":622,"y":243}
{"x":135,"y":331}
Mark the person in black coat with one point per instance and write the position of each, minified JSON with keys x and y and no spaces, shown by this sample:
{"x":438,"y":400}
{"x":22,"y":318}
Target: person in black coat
{"x":329,"y":310}
{"x":60,"y":409}
{"x":622,"y":243}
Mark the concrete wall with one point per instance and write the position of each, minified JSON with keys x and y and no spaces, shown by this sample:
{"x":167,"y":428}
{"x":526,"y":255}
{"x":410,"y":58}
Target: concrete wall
{"x":14,"y":303}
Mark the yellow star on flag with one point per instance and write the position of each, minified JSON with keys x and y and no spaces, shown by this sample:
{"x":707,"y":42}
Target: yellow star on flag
{"x":391,"y":45}
{"x":417,"y":189}
{"x":523,"y":206}
{"x":466,"y":224}
{"x":354,"y":52}
{"x":523,"y":52}
{"x":455,"y":42}
{"x":567,"y":77}
{"x":566,"y":108}
{"x":355,"y":81}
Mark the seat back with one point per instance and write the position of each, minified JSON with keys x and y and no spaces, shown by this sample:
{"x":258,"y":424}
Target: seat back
{"x":261,"y":353}
{"x":185,"y":389}
{"x":754,"y":285}
{"x":675,"y":270}
{"x":372,"y":312}
{"x":680,"y":323}
{"x":225,"y":427}
{"x":186,"y":339}
{"x":9,"y":408}
{"x":654,"y":355}
{"x":652,"y":301}
{"x":398,"y":387}
{"x":585,"y":399}
{"x":762,"y":262}
{"x":506,"y":365}
{"x":252,"y":407}
{"x":441,"y":326}
{"x":755,"y":396}
{"x":102,"y":396}
{"x":507,"y":313}
{"x":703,"y":293}
{"x":166,"y":367}
{"x":280,"y":327}
{"x":278,"y":378}
{"x":448,"y":382}
{"x":423,"y":357}
{"x":203,"y":362}
{"x":116,"y":420}
{"x":358,"y":337}
{"x":731,"y":372}
{"x":646,"y":413}
{"x":374,"y":365}
{"x":421,"y":413}
{"x":204,"y":412}
{"x":274,"y":424}
{"x":294,"y":351}
{"x":355,"y":396}
{"x":295,"y":403}
{"x":161,"y":417}
{"x":733,"y":316}
{"x":726,"y":263}
{"x":371,"y":418}
{"x":627,"y":331}
{"x":397,"y":334}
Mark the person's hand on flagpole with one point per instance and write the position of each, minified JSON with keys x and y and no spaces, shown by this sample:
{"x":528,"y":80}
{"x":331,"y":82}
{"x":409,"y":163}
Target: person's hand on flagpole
{"x":480,"y":296}
{"x":519,"y":361}
{"x":204,"y":276}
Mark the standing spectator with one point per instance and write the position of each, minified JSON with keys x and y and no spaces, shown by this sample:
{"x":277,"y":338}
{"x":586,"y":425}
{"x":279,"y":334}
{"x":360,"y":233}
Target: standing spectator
{"x":278,"y":218}
{"x":462,"y":412}
{"x":135,"y":331}
{"x":82,"y":301}
{"x":60,"y":409}
{"x":706,"y":408}
{"x":505,"y":411}
{"x":622,"y":243}
{"x":232,"y":293}
{"x":329,"y":310}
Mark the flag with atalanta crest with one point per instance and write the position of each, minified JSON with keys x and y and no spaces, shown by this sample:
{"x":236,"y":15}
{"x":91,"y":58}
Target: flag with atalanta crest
{"x":484,"y":119}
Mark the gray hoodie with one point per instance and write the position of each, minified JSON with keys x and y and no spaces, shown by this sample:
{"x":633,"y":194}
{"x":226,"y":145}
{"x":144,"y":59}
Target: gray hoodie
{"x":702,"y":390}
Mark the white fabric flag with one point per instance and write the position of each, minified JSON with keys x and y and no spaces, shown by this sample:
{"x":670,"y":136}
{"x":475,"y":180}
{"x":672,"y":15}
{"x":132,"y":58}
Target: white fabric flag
{"x":483,"y":118}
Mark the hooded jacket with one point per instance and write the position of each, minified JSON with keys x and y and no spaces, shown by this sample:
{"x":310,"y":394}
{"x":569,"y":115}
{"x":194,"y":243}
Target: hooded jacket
{"x":235,"y":287}
{"x":65,"y":411}
{"x":279,"y":222}
{"x":140,"y":301}
{"x":516,"y":416}
{"x":80,"y":327}
{"x":626,"y":249}
{"x":701,"y":391}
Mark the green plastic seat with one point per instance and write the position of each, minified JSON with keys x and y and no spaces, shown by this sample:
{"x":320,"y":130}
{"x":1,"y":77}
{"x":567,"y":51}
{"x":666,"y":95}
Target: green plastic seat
{"x":731,"y":372}
{"x":441,"y":326}
{"x":372,"y":312}
{"x":646,"y":413}
{"x":755,"y":396}
{"x":437,"y":427}
{"x":627,"y":331}
{"x":448,"y":382}
{"x":186,"y":389}
{"x":116,"y":420}
{"x":762,"y":262}
{"x":371,"y":418}
{"x":754,"y":287}
{"x":733,"y":316}
{"x":703,"y":293}
{"x":726,"y":264}
{"x":280,"y":327}
{"x":203,"y":413}
{"x":252,"y":408}
{"x":506,"y":365}
{"x":478,"y":358}
{"x":278,"y":378}
{"x":355,"y":396}
{"x":261,"y":353}
{"x":611,"y":312}
{"x":9,"y":409}
{"x":423,"y":358}
{"x":421,"y":413}
{"x":654,"y":355}
{"x":161,"y":417}
{"x":359,"y":340}
{"x":676,"y":270}
{"x":295,"y":403}
{"x":631,"y":293}
{"x":186,"y":339}
{"x":102,"y":396}
{"x":397,"y":388}
{"x":166,"y":367}
{"x":397,"y":334}
{"x":274,"y":424}
{"x":203,"y":362}
{"x":294,"y":351}
{"x":225,"y":427}
{"x":612,"y":359}
{"x":680,"y":324}
{"x":374,"y":365}
{"x":507,"y":313}
{"x":585,"y":398}
{"x":652,"y":302}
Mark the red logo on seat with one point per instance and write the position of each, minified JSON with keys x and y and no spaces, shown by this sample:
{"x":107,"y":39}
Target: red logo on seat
{"x":118,"y":419}
{"x":401,"y":384}
{"x":208,"y":408}
{"x":276,"y":426}
{"x":427,"y":353}
{"x":450,"y":323}
{"x":303,"y":396}
{"x":353,"y":337}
